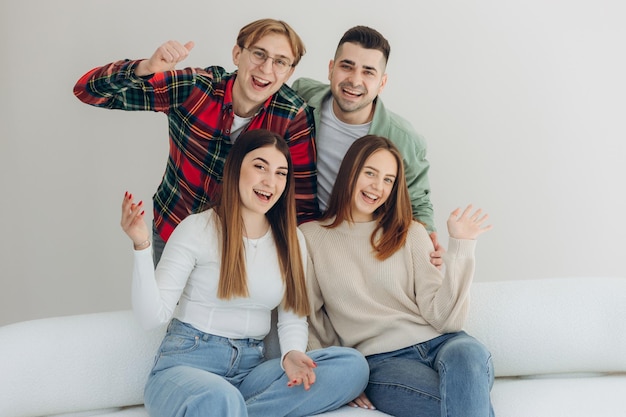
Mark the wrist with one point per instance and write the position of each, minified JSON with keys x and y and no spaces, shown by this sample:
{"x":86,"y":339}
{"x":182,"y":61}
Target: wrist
{"x":142,"y":245}
{"x":142,"y":70}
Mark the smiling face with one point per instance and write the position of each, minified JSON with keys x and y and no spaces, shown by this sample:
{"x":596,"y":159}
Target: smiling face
{"x":255,"y":83}
{"x":262,"y":180}
{"x":357,"y":76}
{"x":374,"y":184}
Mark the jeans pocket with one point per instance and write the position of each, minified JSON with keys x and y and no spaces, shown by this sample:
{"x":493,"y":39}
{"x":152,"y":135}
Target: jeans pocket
{"x":178,"y":344}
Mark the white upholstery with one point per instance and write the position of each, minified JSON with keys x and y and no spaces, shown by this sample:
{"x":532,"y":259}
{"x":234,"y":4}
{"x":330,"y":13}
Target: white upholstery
{"x":558,"y":347}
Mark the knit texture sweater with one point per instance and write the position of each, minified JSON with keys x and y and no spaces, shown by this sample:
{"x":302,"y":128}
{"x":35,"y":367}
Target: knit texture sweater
{"x":381,"y":306}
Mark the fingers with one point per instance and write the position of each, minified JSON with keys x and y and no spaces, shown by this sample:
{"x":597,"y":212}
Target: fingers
{"x":467,"y":224}
{"x":362,"y":402}
{"x":189,"y":45}
{"x":130,"y":210}
{"x":132,"y":221}
{"x":172,"y":52}
{"x":436,"y":259}
{"x":299,"y":368}
{"x":306,"y":380}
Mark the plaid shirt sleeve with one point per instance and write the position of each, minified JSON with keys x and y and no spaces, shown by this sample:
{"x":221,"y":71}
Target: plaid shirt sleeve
{"x":303,"y":156}
{"x":115,"y":86}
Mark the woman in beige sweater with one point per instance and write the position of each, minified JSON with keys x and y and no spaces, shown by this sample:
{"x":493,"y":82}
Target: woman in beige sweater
{"x":372,"y":287}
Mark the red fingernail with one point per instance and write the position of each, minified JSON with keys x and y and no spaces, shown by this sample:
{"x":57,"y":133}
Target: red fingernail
{"x":140,"y":203}
{"x":142,"y":212}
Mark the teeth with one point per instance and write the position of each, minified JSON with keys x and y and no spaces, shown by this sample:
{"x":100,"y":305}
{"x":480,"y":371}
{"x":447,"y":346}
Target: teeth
{"x":372,"y":196}
{"x":263,"y":193}
{"x":353,"y":92}
{"x":260,"y":81}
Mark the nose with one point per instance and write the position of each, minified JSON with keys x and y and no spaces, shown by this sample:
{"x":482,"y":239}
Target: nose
{"x":269,"y":180}
{"x":267,"y":65}
{"x":355,"y":79}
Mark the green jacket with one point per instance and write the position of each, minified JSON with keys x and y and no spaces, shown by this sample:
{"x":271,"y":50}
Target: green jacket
{"x":387,"y":124}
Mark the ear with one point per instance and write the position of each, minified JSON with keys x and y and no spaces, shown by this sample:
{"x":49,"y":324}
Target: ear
{"x":331,"y":65}
{"x":236,"y":54}
{"x":383,"y":83}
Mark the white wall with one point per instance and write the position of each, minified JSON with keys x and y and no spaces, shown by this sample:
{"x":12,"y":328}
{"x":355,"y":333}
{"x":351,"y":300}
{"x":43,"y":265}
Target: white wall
{"x":522,"y":104}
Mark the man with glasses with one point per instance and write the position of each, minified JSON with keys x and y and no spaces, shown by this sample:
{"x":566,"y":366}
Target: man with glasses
{"x":349,"y":108}
{"x":207,"y":109}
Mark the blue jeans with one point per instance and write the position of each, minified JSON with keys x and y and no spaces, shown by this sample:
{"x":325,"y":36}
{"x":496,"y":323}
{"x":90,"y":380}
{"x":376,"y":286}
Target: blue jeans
{"x":199,"y":374}
{"x":450,"y":375}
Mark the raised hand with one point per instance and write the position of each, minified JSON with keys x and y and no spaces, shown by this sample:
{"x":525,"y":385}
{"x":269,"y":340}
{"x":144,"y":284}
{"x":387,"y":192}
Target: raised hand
{"x":133,"y":222}
{"x":164,"y":58}
{"x":299,"y":369}
{"x":467,"y":225}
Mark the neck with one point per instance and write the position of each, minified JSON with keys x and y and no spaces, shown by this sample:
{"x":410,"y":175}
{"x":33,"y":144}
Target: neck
{"x":357,"y":117}
{"x":244,"y":111}
{"x":241,"y":106}
{"x":255,"y":226}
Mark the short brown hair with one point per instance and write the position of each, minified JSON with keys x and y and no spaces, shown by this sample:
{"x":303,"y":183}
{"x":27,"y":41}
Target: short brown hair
{"x":368,"y":38}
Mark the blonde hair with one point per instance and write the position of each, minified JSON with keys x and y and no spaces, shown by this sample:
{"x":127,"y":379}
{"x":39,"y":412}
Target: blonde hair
{"x":252,"y":32}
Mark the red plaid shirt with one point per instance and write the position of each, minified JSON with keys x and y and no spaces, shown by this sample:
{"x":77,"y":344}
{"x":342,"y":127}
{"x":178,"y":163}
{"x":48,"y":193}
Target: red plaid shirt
{"x":199,"y":107}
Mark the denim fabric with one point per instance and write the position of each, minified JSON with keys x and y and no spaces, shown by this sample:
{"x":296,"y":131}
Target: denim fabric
{"x":199,"y":374}
{"x":450,"y":375}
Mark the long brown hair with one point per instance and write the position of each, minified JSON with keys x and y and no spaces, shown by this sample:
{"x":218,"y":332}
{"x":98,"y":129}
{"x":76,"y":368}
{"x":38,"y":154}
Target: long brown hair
{"x":394,"y":217}
{"x":282,"y":219}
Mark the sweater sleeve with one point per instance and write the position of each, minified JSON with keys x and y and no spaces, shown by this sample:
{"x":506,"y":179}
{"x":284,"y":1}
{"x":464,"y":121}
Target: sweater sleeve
{"x":443,"y":300}
{"x":155,"y":294}
{"x":292,"y":329}
{"x":321,"y":331}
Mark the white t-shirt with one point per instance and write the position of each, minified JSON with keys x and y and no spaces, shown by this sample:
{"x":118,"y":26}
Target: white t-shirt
{"x":333,"y":140}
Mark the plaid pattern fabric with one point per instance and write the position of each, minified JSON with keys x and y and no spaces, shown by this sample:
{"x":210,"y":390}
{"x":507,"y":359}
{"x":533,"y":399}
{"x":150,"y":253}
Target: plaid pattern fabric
{"x":199,"y":106}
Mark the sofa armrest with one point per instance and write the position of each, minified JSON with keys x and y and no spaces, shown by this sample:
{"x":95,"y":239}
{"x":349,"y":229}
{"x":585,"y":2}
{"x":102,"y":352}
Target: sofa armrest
{"x":75,"y":363}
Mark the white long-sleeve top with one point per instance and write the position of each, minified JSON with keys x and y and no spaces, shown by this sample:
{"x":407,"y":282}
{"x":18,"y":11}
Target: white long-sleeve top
{"x":185,"y":283}
{"x":381,"y":306}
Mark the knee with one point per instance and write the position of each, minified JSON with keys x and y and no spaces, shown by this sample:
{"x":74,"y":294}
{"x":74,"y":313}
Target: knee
{"x":470,"y":355}
{"x":344,"y":363}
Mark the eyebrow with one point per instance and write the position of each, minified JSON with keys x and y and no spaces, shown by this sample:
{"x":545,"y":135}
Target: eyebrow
{"x":258,"y":158}
{"x":374,"y":169}
{"x":350,"y":62}
{"x":267,"y":52}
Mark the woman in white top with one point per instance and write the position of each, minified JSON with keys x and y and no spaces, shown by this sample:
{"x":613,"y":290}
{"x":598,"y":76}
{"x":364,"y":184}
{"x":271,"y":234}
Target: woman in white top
{"x":221,"y":274}
{"x":372,"y":287}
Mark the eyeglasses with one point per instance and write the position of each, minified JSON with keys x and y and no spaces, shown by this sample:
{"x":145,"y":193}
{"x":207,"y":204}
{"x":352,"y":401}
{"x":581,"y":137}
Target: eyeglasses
{"x":258,"y":57}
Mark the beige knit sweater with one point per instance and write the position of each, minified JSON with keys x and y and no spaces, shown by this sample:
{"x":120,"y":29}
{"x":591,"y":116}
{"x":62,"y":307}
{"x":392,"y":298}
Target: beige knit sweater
{"x":380,"y":306}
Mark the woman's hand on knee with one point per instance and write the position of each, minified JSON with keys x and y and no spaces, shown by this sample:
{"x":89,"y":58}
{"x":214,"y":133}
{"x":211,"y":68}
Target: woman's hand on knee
{"x":299,"y":369}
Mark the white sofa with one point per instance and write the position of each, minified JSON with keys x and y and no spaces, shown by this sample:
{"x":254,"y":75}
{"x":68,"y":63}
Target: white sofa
{"x":558,"y":345}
